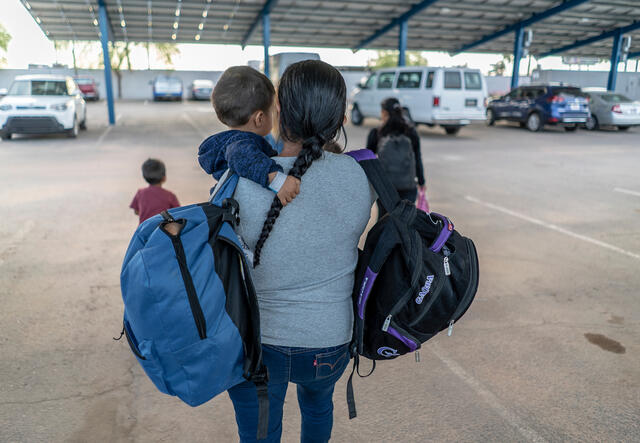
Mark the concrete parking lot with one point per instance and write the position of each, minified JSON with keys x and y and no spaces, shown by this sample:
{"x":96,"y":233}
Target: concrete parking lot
{"x":549,"y":351}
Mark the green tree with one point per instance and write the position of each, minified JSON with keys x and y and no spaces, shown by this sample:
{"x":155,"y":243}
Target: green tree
{"x":389,"y":59}
{"x":5,"y":38}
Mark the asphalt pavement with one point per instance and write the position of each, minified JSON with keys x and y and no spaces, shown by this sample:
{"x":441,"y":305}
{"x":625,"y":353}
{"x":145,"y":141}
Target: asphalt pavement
{"x":549,"y":351}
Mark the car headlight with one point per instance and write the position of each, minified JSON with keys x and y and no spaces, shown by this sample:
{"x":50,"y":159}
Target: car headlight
{"x":5,"y":107}
{"x":59,"y":107}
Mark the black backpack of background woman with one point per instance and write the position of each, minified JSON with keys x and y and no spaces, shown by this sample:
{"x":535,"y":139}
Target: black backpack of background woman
{"x":416,"y":276}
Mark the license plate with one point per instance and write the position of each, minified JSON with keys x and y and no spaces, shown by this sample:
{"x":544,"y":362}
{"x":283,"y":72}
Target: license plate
{"x":471,"y":102}
{"x":574,"y":120}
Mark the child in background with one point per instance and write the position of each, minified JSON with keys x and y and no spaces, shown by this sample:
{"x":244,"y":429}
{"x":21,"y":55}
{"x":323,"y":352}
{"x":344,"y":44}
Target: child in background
{"x":153,"y":199}
{"x":244,"y":100}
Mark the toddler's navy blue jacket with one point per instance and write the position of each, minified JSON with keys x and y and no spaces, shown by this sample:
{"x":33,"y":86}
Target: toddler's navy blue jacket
{"x":245,"y":153}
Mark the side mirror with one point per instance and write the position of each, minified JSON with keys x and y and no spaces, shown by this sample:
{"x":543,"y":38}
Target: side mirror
{"x":3,"y":92}
{"x":362,"y":85}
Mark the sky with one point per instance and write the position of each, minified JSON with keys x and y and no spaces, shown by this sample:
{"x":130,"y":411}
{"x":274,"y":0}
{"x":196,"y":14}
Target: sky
{"x":30,"y":45}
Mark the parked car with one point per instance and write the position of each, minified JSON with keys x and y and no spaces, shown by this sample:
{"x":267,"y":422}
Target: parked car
{"x":88,"y":87}
{"x":611,"y":109}
{"x":37,"y":104}
{"x":449,"y":97}
{"x":534,"y":106}
{"x":201,"y":89}
{"x":167,"y":88}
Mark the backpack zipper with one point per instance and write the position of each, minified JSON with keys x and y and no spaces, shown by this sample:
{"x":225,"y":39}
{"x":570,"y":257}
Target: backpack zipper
{"x":194,"y":303}
{"x":465,"y":303}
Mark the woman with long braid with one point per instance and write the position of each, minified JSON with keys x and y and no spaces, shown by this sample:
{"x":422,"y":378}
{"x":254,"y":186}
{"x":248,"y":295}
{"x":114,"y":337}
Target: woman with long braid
{"x":305,"y":255}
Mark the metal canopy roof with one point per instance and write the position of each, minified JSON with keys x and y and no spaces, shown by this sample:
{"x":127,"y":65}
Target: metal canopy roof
{"x":440,"y":25}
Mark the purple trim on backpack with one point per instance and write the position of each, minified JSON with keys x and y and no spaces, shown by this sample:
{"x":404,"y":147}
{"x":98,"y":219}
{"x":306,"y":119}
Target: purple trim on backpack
{"x":408,"y":343}
{"x":365,"y":290}
{"x":362,"y":154}
{"x":445,"y":233}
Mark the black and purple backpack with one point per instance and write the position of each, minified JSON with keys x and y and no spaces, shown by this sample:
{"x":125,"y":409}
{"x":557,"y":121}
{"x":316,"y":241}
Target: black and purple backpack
{"x":416,"y":276}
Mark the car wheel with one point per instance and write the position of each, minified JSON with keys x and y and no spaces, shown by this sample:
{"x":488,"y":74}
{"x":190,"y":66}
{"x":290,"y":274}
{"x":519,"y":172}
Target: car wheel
{"x":5,"y":136}
{"x":491,"y":117}
{"x":73,"y":132}
{"x":534,"y":124}
{"x":356,"y":116}
{"x":592,"y":123}
{"x":452,"y":130}
{"x":623,"y":128}
{"x":571,"y":128}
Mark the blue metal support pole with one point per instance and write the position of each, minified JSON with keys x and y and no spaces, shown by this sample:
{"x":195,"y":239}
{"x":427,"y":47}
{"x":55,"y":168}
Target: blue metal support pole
{"x":266,"y":9}
{"x":266,"y":38}
{"x":615,"y":59}
{"x":104,"y":39}
{"x":517,"y":56}
{"x":402,"y":42}
{"x":415,"y":9}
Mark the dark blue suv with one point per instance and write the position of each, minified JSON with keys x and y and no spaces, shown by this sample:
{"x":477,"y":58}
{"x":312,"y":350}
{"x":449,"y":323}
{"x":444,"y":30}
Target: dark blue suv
{"x":535,"y":106}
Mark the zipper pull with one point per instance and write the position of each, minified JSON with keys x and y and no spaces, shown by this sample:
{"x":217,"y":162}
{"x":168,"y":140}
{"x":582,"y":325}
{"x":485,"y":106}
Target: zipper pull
{"x":387,"y":321}
{"x":417,"y":353}
{"x":450,"y":330}
{"x":447,"y":269}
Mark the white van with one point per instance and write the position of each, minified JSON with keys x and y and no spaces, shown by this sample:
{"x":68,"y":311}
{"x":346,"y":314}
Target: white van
{"x":449,"y":97}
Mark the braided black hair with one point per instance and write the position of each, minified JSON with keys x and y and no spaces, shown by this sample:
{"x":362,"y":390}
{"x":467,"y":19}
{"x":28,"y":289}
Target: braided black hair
{"x":312,"y":96}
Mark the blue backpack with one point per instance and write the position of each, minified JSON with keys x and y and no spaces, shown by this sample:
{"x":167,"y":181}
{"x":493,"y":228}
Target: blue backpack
{"x":190,"y":308}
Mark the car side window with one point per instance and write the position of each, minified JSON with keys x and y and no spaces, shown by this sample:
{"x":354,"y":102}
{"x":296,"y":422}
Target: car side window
{"x":452,"y":80}
{"x":516,"y":93}
{"x":371,"y":81}
{"x":473,"y":81}
{"x":385,"y":81}
{"x":409,"y":80}
{"x":429,"y":82}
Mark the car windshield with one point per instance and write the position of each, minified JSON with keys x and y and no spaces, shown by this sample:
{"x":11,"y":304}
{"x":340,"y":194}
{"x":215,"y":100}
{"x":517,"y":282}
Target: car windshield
{"x":38,"y":87}
{"x":84,"y":81}
{"x":615,"y":98}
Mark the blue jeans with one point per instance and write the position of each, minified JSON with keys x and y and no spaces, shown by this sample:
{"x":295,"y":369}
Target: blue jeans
{"x":314,"y":371}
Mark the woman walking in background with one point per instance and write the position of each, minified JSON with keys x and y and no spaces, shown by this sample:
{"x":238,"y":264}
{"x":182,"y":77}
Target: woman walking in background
{"x":398,"y":147}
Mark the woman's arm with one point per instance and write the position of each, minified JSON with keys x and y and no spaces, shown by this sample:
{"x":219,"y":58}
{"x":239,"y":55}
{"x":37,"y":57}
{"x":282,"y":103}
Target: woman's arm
{"x":415,"y":142}
{"x":372,"y":140}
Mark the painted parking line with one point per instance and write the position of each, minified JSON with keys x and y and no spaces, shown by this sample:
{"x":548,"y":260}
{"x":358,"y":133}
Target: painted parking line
{"x":488,"y":396}
{"x":627,"y":191}
{"x":553,"y":227}
{"x":193,"y":124}
{"x":107,"y":130}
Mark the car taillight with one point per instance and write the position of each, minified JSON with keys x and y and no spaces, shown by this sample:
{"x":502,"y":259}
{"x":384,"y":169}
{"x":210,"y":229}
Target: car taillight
{"x":556,"y":99}
{"x":436,"y":102}
{"x":617,"y":109}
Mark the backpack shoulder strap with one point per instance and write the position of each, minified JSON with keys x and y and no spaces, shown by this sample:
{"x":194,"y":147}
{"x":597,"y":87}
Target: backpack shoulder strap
{"x":387,"y":193}
{"x":224,"y":188}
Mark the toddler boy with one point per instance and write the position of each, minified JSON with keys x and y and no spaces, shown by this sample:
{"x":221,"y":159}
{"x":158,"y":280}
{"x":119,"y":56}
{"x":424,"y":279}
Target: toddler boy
{"x":153,"y":199}
{"x":244,"y":100}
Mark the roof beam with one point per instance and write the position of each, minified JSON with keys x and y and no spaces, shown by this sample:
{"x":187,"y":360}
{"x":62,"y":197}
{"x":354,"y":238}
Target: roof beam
{"x":587,"y":41}
{"x":266,"y":9}
{"x":535,"y":18}
{"x":415,"y":9}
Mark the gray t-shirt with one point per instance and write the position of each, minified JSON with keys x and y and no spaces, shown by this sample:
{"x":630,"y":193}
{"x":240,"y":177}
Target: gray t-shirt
{"x":306,"y":273}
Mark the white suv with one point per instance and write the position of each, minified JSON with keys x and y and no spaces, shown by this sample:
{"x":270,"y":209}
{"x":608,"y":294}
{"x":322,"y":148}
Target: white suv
{"x":38,"y":104}
{"x":449,"y":97}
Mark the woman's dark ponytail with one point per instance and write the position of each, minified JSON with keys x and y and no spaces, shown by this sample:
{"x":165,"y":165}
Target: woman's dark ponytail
{"x":312,"y":96}
{"x":397,"y":122}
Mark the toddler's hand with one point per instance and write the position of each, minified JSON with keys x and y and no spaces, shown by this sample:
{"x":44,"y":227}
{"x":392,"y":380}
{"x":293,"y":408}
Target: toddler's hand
{"x":289,"y":190}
